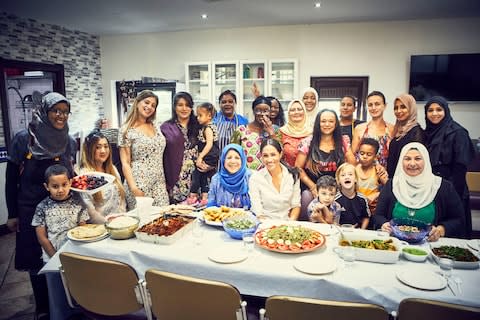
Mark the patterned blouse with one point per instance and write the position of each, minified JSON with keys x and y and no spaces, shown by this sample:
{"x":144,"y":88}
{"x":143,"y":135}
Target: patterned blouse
{"x":251,"y":141}
{"x":59,"y":217}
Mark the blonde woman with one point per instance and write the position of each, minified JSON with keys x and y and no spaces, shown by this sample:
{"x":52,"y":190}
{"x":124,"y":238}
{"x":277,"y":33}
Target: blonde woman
{"x":296,"y":129}
{"x":97,"y":157}
{"x":141,"y":152}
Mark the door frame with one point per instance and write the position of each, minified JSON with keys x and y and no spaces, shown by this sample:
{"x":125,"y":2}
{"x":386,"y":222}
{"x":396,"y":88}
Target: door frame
{"x":338,"y":87}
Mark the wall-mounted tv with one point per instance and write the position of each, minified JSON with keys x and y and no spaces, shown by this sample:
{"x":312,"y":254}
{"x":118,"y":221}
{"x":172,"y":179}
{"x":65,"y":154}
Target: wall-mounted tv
{"x":453,"y":76}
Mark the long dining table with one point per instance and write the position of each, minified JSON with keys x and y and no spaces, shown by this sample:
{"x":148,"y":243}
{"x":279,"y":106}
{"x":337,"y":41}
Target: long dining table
{"x":265,"y":273}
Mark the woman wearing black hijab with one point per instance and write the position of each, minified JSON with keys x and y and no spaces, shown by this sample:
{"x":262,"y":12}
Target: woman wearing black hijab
{"x":46,"y":142}
{"x":451,"y":150}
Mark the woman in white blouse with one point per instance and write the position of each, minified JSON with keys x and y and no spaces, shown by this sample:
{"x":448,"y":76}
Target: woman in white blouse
{"x":275,"y":189}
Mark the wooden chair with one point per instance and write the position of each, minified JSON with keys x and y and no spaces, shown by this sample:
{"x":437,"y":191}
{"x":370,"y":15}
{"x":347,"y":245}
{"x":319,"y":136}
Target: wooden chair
{"x":413,"y":308}
{"x":177,"y":297}
{"x":102,"y":287}
{"x":285,"y":307}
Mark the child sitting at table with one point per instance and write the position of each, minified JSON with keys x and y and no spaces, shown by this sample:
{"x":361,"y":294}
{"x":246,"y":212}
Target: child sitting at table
{"x":324,"y":209}
{"x":354,"y":205}
{"x":370,"y":175}
{"x":58,"y":212}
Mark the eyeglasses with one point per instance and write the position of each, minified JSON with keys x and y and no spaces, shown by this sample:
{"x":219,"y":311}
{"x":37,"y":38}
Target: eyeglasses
{"x":59,"y":113}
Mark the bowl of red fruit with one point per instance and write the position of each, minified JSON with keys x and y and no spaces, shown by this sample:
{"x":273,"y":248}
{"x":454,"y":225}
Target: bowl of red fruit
{"x":91,"y":182}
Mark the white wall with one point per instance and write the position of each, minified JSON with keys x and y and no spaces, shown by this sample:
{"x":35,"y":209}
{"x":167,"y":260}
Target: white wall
{"x":380,"y":50}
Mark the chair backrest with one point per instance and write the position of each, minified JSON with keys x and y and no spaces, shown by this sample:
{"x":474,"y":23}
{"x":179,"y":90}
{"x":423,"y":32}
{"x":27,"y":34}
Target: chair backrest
{"x":413,"y":308}
{"x":175,"y":297}
{"x":473,"y":181}
{"x":101,"y":286}
{"x":286,"y":307}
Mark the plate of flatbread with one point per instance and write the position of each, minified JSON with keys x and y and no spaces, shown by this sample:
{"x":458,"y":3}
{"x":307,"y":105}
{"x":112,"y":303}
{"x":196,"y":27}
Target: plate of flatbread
{"x":88,"y":233}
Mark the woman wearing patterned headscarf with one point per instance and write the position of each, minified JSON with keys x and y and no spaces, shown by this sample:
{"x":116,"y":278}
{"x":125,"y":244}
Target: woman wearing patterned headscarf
{"x":229,"y":186}
{"x":451,"y":150}
{"x":406,"y":129}
{"x":46,"y":142}
{"x":294,"y":131}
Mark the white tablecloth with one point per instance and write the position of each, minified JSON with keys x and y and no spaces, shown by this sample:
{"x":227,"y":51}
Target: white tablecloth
{"x":267,"y":273}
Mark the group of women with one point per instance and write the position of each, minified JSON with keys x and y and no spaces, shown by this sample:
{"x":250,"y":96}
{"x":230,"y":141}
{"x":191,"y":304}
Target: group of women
{"x":264,"y":164}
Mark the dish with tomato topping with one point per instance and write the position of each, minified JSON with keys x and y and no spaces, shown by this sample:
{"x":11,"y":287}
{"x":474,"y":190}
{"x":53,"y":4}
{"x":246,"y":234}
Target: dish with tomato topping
{"x":289,"y":239}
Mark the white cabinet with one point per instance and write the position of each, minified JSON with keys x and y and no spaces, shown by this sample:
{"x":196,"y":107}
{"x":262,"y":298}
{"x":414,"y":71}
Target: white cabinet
{"x":225,"y":78}
{"x":252,"y":71}
{"x":283,"y":80}
{"x":278,"y":78}
{"x":197,"y":81}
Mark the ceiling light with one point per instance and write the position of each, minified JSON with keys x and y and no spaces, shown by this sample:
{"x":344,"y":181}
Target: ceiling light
{"x":204,"y":16}
{"x":318,"y":4}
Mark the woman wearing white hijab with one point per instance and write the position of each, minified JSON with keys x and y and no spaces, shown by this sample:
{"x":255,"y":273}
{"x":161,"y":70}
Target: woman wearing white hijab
{"x":310,"y":100}
{"x":415,"y":192}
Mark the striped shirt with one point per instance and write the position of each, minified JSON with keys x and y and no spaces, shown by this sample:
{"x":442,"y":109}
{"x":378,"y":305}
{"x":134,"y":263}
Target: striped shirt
{"x":226,"y":127}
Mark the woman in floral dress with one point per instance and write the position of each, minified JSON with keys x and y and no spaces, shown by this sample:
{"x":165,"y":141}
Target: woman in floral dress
{"x":251,"y":136}
{"x":141,"y":152}
{"x":181,"y":152}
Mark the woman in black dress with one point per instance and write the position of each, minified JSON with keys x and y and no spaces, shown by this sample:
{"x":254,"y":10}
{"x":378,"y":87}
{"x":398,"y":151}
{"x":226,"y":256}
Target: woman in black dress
{"x":46,"y":142}
{"x":451,"y":150}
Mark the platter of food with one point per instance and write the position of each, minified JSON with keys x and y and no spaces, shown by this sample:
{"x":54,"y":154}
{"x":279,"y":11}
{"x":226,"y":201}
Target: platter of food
{"x":373,"y":248}
{"x":214,"y":216}
{"x":462,"y":258}
{"x":289,"y":239}
{"x":88,"y":233}
{"x":91,"y":182}
{"x":164,"y":230}
{"x":181,"y":209}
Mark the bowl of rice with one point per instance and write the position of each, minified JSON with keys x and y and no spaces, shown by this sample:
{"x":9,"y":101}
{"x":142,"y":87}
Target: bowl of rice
{"x":122,"y":227}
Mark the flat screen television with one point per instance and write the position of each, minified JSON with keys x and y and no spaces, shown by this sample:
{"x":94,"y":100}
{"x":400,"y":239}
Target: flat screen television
{"x":453,"y":76}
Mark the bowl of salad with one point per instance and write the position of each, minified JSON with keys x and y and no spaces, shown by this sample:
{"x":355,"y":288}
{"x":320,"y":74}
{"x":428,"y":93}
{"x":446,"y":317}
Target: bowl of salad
{"x":237,"y":226}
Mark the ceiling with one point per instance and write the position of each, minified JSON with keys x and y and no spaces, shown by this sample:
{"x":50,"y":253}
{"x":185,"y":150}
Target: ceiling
{"x":109,"y":17}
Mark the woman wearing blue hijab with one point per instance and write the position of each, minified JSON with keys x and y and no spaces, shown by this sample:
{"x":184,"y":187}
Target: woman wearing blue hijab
{"x":229,"y":186}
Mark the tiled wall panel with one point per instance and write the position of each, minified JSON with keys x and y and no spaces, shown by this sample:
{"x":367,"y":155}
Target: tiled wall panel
{"x":79,"y":52}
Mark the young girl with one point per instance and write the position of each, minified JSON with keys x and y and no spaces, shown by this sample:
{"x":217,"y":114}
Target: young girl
{"x":324,"y":208}
{"x":355,"y":205}
{"x":208,"y":153}
{"x":370,"y":176}
{"x":97,"y":156}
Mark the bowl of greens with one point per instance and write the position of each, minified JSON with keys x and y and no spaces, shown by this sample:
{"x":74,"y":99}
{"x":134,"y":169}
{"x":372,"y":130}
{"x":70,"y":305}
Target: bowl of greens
{"x":237,"y":226}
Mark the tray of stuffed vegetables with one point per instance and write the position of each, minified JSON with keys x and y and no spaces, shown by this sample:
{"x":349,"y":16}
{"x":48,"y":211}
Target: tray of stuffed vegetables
{"x":371,"y":247}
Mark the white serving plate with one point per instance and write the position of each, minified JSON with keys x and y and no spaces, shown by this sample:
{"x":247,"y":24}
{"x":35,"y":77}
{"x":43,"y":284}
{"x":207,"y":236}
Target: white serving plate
{"x":371,"y":255}
{"x":316,"y":265}
{"x":457,"y":264}
{"x":422,"y":279}
{"x":108,"y":177}
{"x":227,"y":254}
{"x":154,"y":238}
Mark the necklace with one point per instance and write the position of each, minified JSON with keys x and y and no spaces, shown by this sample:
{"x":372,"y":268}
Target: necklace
{"x":411,"y":212}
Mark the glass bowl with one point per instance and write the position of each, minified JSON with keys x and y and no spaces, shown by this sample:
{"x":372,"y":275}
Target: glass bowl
{"x":237,"y":226}
{"x":122,"y":227}
{"x":409,"y":230}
